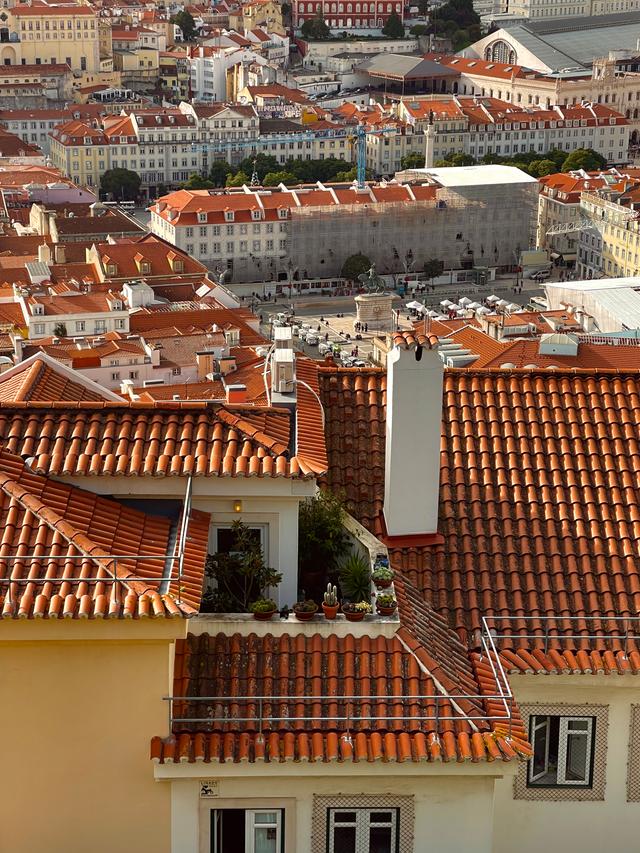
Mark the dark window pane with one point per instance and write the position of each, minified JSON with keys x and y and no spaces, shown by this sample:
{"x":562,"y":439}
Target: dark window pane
{"x":344,"y":817}
{"x":380,"y":817}
{"x":380,"y":839}
{"x":344,"y":839}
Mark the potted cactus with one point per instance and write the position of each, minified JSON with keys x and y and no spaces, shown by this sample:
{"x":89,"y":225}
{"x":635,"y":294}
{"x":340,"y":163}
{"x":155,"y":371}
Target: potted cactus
{"x":305,"y":610}
{"x":386,"y":605}
{"x":263,"y":609}
{"x":330,"y":603}
{"x":355,"y":611}
{"x":382,"y":577}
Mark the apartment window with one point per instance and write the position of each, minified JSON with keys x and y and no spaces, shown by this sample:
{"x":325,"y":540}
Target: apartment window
{"x":133,"y":374}
{"x":39,"y":328}
{"x":80,"y":326}
{"x":569,"y":753}
{"x":176,"y":371}
{"x":115,"y":377}
{"x":562,"y":750}
{"x":101,"y":326}
{"x":247,"y":830}
{"x":362,"y":830}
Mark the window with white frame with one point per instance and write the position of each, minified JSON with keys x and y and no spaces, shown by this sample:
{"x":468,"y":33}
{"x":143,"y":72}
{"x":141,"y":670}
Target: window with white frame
{"x":562,"y":751}
{"x":362,"y":830}
{"x":247,"y":831}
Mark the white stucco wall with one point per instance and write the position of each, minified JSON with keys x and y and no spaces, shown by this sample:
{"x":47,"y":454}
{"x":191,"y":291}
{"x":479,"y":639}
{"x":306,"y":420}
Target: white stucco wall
{"x":453,"y":803}
{"x":531,"y":826}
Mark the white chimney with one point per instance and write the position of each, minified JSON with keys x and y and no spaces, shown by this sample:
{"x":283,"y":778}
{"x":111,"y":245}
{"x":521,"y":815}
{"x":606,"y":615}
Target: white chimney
{"x":414,"y":424}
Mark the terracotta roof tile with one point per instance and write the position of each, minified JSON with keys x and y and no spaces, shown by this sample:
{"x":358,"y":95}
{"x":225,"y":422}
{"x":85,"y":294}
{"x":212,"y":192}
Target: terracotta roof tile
{"x":538,"y":495}
{"x":40,"y":381}
{"x":150,"y":439}
{"x":354,"y":715}
{"x":72,"y":537}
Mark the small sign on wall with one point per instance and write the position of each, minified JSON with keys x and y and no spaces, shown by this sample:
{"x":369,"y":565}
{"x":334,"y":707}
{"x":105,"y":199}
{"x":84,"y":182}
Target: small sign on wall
{"x":209,"y":788}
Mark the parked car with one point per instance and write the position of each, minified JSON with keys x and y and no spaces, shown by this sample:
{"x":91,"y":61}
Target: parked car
{"x":540,"y":275}
{"x":312,"y":339}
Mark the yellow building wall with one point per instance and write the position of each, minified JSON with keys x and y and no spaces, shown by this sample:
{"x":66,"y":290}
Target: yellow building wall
{"x":39,"y":40}
{"x":79,"y":703}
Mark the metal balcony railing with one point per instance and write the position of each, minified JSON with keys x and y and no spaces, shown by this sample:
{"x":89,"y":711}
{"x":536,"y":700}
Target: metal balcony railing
{"x":284,"y":710}
{"x":593,"y":631}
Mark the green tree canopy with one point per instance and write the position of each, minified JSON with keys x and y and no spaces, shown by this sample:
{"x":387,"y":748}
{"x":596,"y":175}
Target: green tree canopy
{"x":121,"y":184}
{"x":433,"y":268}
{"x":218,"y":173}
{"x":197,"y":182}
{"x":394,"y":28}
{"x":540,"y":168}
{"x":272,"y":179}
{"x":584,"y":158}
{"x":412,"y":161}
{"x":185,"y":21}
{"x":262,"y":163}
{"x":238,"y":179}
{"x":354,"y":266}
{"x":315,"y":29}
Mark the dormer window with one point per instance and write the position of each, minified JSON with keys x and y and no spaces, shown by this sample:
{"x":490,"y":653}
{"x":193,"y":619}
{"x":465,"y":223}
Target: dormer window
{"x":145,"y":267}
{"x":255,"y":214}
{"x":202,"y":217}
{"x":178,"y":266}
{"x":112,"y":269}
{"x":116,"y":305}
{"x":283,"y":212}
{"x":229,"y":215}
{"x":87,"y":140}
{"x":38,"y":310}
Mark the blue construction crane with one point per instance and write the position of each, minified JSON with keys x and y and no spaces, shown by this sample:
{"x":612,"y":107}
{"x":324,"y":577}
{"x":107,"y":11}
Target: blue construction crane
{"x":357,"y":138}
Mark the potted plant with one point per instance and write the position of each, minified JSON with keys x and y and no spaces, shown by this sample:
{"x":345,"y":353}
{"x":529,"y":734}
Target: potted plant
{"x":386,"y":605}
{"x":330,"y":603}
{"x":305,"y":610}
{"x":356,"y":611}
{"x":382,"y":577}
{"x":263,"y":609}
{"x":355,"y":578}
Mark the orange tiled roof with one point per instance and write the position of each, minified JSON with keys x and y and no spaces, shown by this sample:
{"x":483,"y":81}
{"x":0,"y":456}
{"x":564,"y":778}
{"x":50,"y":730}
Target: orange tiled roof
{"x":539,"y":498}
{"x":41,"y":519}
{"x":152,"y":439}
{"x":38,"y":380}
{"x":342,"y":669}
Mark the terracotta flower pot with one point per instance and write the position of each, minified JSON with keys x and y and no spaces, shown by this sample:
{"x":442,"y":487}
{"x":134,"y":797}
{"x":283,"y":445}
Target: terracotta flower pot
{"x":383,"y":584}
{"x":330,"y":611}
{"x":354,"y":615}
{"x":386,"y":611}
{"x":264,"y":617}
{"x":305,"y":615}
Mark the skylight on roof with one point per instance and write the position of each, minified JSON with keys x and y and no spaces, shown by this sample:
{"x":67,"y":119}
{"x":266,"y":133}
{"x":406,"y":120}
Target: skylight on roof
{"x":491,"y":65}
{"x":509,"y":68}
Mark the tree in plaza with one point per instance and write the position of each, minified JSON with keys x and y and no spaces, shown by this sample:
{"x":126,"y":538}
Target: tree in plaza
{"x":197,"y":182}
{"x":584,"y":158}
{"x":354,"y":266}
{"x":237,"y":180}
{"x":433,"y":268}
{"x":121,"y":184}
{"x":412,"y":161}
{"x":394,"y":28}
{"x":315,"y":29}
{"x":185,"y":21}
{"x":272,"y":179}
{"x":261,"y":164}
{"x":218,"y":173}
{"x":540,"y":168}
